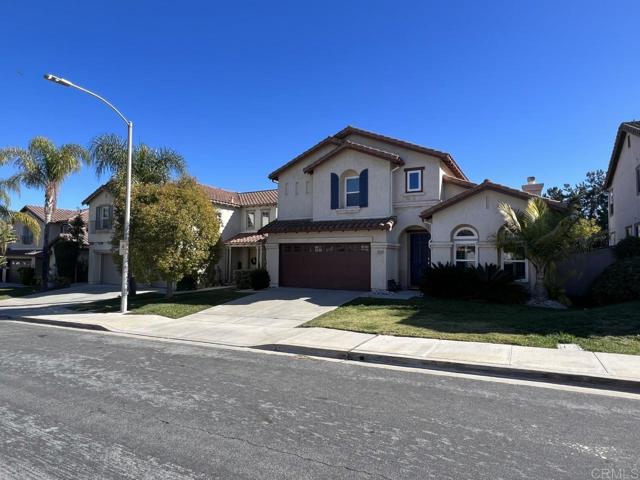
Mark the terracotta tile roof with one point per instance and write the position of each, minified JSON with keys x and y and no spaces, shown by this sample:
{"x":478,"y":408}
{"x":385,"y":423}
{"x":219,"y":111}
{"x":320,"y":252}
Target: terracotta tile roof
{"x":348,"y":145}
{"x":60,"y":214}
{"x":458,"y":181}
{"x":241,"y":199}
{"x":308,"y":225}
{"x":339,"y":138}
{"x":625,"y":128}
{"x":246,"y":239}
{"x":487,"y":185}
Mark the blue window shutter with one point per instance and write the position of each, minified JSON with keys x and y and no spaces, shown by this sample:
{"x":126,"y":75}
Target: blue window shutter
{"x":364,"y":188}
{"x":335,"y":191}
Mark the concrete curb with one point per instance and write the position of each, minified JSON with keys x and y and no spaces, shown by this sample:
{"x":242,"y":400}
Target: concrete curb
{"x":575,"y":379}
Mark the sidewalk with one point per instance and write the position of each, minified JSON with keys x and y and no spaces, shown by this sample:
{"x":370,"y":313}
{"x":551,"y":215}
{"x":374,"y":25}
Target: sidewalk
{"x":605,"y":370}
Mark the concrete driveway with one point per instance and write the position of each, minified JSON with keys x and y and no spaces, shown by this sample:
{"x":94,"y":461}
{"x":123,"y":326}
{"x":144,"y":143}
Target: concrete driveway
{"x":276,"y":307}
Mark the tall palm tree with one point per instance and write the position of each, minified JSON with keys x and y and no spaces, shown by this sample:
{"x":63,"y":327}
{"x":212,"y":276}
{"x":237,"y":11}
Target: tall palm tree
{"x":543,"y":235}
{"x":149,"y":165}
{"x":43,"y":165}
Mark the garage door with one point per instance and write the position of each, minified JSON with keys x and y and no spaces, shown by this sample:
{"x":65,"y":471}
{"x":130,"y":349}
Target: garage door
{"x":340,"y":266}
{"x":109,"y":273}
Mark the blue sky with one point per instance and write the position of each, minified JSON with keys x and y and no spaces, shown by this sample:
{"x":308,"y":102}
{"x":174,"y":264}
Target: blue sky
{"x":509,"y":88}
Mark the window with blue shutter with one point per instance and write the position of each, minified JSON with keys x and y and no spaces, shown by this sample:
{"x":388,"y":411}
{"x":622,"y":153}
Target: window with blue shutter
{"x":335,"y":192}
{"x":364,"y":188}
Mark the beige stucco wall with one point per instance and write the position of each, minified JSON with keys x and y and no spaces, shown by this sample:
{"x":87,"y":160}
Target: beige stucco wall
{"x":100,"y":240}
{"x":37,"y":240}
{"x":626,"y":200}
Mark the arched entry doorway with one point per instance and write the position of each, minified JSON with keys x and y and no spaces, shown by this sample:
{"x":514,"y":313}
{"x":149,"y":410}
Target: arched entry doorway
{"x":419,"y":254}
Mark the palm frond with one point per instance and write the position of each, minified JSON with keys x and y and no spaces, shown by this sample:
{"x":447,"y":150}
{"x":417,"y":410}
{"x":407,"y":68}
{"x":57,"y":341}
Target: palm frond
{"x":28,"y":221}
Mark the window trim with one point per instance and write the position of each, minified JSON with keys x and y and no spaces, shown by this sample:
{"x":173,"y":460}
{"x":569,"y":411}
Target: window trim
{"x":467,"y":241}
{"x":523,"y":260}
{"x":250,"y":212}
{"x":407,"y":174}
{"x":347,"y":192}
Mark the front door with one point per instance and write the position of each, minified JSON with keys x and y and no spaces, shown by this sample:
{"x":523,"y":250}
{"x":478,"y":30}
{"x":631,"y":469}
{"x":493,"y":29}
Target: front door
{"x":419,"y":256}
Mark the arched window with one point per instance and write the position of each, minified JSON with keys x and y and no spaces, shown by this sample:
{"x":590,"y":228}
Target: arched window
{"x":465,"y":246}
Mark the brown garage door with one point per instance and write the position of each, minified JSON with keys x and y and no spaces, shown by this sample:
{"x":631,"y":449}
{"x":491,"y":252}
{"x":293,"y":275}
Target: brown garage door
{"x":341,"y":266}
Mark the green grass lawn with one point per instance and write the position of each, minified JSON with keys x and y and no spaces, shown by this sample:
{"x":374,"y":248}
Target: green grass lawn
{"x":615,"y":328}
{"x":11,"y":292}
{"x":156,"y":303}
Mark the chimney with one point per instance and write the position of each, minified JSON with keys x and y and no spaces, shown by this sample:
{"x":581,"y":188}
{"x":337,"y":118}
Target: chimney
{"x":532,"y":187}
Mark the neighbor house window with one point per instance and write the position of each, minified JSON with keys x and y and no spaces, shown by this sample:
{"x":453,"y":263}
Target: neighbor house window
{"x":27,"y":236}
{"x":638,"y":180}
{"x":352,"y":191}
{"x":104,"y":217}
{"x":413,"y":180}
{"x":266,"y":217}
{"x":465,"y":247}
{"x":628,"y":231}
{"x":637,"y":229}
{"x":516,"y":265}
{"x":610,"y":202}
{"x":251,"y":220}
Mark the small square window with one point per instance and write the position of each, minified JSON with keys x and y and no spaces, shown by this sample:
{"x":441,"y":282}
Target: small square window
{"x":413,"y":180}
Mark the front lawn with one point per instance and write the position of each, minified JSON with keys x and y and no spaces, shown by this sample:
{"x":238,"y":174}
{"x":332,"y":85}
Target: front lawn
{"x":156,"y":303}
{"x":11,"y":292}
{"x":615,"y":328}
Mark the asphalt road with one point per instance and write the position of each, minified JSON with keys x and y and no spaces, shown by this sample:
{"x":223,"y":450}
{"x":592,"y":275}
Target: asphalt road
{"x":84,"y":405}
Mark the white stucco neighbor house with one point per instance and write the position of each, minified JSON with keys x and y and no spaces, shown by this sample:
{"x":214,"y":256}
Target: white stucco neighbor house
{"x":241,"y":215}
{"x":623,"y":183}
{"x":360,"y":210}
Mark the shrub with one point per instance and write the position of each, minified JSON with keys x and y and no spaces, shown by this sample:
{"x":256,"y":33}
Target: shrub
{"x":242,"y":278}
{"x":66,"y":257}
{"x":27,"y":275}
{"x":260,"y":279}
{"x":188,"y":282}
{"x":628,"y":247}
{"x":486,"y":282}
{"x":620,"y":282}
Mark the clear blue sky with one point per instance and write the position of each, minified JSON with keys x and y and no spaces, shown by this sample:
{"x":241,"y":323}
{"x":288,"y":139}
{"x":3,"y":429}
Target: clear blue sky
{"x":509,"y":88}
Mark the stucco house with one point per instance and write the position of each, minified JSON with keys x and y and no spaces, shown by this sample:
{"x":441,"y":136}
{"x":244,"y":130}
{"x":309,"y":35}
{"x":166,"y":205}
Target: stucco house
{"x":360,"y":210}
{"x":26,"y":251}
{"x":241,"y":215}
{"x":623,"y":183}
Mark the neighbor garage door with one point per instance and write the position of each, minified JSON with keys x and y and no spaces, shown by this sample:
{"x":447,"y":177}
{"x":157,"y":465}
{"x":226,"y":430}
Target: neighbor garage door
{"x":109,"y":273}
{"x":341,"y":266}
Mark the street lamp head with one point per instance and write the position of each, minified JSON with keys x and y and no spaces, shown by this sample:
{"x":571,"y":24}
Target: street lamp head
{"x":60,"y":81}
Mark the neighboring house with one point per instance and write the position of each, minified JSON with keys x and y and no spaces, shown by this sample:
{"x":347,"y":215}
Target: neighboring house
{"x":361,"y":211}
{"x":27,"y":250}
{"x":241,"y":215}
{"x":623,"y":183}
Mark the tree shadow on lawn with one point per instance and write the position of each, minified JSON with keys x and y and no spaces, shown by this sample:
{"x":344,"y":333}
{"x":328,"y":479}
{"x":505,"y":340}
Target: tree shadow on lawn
{"x":471,"y":317}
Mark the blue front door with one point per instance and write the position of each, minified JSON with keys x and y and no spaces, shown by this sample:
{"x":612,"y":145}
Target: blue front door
{"x":419,"y":256}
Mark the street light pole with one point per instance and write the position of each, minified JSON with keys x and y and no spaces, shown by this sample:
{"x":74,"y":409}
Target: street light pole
{"x":127,"y":209}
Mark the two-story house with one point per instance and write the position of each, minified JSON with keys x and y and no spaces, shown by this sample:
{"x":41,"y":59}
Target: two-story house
{"x":26,"y":251}
{"x":623,"y":183}
{"x":359,"y":210}
{"x":241,"y":215}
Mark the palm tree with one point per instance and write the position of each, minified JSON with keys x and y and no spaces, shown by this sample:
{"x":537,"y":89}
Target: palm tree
{"x":149,"y":165}
{"x":43,"y":165}
{"x":543,"y":235}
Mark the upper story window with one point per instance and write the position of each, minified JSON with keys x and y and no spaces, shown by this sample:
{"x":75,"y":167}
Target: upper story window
{"x":27,"y":236}
{"x":66,"y":228}
{"x":352,"y":192}
{"x":251,"y":220}
{"x":104,"y":217}
{"x":413,"y":180}
{"x":465,"y":247}
{"x":266,"y":217}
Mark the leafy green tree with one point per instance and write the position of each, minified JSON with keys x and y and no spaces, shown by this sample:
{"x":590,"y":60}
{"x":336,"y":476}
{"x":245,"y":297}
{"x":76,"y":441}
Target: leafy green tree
{"x":590,"y":195}
{"x":545,"y":236}
{"x":44,"y":166}
{"x":173,"y":229}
